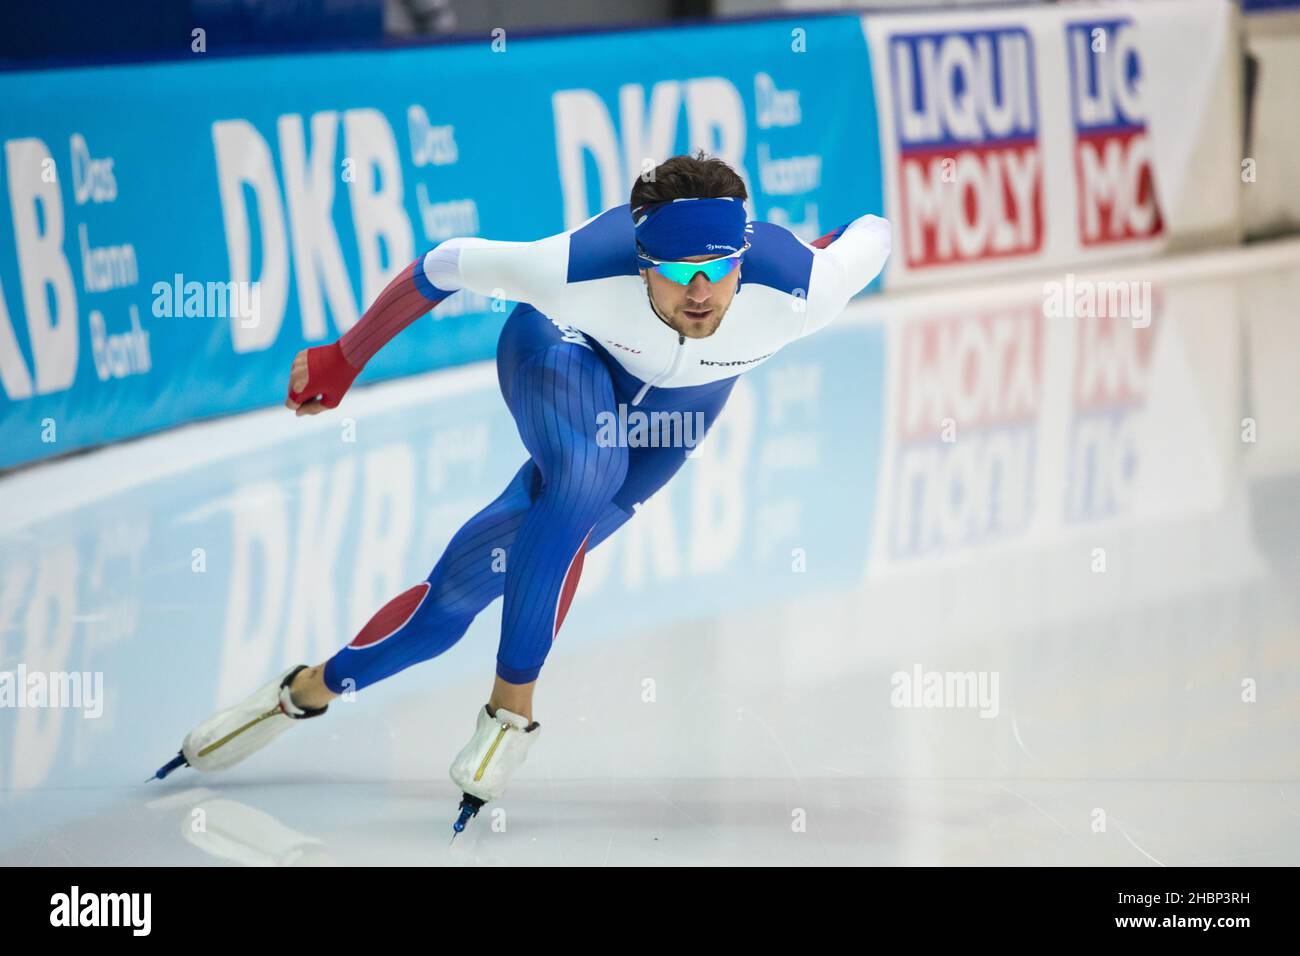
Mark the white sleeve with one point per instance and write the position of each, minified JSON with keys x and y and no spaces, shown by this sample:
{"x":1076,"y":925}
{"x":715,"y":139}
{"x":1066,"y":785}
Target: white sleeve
{"x":533,"y":272}
{"x":844,"y":268}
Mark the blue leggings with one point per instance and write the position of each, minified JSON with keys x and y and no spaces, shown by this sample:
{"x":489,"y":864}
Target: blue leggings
{"x":575,"y":490}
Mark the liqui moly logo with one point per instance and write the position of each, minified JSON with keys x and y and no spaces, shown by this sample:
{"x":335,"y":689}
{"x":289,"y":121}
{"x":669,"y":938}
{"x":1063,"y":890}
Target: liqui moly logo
{"x":970,"y":169}
{"x":969,"y":390}
{"x":1112,"y":374}
{"x":1112,"y":151}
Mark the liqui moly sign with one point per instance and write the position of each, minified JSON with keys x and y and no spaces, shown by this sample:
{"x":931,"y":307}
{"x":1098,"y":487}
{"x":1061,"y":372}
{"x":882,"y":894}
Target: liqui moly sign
{"x":969,"y":174}
{"x":1112,"y":150}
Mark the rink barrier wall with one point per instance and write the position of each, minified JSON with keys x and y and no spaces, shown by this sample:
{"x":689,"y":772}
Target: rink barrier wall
{"x":1271,"y":203}
{"x":134,"y":194}
{"x":313,"y":178}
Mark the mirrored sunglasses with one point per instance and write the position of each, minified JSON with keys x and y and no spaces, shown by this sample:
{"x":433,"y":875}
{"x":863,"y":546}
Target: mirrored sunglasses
{"x":683,"y":272}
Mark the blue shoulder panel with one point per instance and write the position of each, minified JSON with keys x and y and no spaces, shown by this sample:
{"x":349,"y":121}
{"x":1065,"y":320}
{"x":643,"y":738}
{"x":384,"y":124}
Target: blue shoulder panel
{"x":777,"y":259}
{"x":604,"y":247}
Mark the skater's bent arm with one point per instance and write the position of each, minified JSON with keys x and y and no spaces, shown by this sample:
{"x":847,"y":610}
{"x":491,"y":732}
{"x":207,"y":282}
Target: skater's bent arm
{"x":844,"y":263}
{"x":518,"y":271}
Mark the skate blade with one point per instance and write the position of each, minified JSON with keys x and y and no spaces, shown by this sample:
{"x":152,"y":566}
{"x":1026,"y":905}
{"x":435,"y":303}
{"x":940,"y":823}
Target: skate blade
{"x":173,"y":764}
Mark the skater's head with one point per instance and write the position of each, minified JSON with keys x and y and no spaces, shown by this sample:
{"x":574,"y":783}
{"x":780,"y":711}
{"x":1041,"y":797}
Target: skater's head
{"x":672,"y":236}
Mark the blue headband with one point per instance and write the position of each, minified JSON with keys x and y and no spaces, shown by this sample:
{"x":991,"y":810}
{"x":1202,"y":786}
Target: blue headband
{"x":690,"y":227}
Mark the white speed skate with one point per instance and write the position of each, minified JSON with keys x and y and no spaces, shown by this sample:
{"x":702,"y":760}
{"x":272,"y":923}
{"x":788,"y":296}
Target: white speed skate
{"x":483,"y":767}
{"x":230,"y":735}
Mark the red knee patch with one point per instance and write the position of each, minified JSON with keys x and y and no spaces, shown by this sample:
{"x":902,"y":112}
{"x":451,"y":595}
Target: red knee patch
{"x":392,"y":617}
{"x":570,"y":586}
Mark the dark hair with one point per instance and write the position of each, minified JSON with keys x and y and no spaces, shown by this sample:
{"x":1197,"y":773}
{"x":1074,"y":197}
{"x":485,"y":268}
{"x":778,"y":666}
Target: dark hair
{"x":688,"y":177}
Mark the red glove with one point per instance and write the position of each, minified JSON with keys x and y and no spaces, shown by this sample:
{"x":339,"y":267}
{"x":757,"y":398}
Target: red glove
{"x":329,"y":376}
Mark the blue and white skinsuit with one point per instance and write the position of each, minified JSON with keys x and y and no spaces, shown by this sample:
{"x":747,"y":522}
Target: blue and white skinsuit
{"x":583,"y":340}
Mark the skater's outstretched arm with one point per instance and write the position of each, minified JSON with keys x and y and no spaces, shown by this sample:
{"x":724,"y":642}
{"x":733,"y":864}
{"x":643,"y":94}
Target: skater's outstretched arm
{"x":845,"y":261}
{"x":518,"y":271}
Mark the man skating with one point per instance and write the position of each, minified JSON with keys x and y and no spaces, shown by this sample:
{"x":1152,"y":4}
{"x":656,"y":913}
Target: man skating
{"x":658,"y":305}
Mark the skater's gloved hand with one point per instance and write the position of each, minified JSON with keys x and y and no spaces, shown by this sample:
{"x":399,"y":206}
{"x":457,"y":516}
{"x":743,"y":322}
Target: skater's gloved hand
{"x":318,"y":380}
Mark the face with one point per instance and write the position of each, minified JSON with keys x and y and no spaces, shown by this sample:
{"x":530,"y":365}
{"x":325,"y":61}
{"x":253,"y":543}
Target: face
{"x":694,"y":310}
